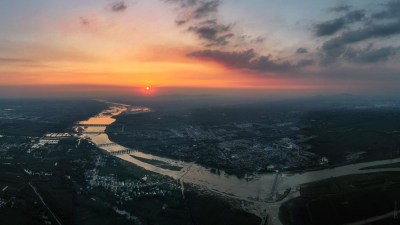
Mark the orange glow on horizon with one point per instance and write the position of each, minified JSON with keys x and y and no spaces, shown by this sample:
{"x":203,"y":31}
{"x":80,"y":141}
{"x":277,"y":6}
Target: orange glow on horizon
{"x":143,"y":70}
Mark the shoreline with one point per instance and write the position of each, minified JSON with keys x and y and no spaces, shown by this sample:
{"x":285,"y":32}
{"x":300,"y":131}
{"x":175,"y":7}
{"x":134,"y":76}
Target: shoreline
{"x":256,"y":191}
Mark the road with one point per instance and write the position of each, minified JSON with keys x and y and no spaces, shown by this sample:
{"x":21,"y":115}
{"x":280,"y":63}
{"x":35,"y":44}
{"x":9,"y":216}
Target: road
{"x":44,"y":203}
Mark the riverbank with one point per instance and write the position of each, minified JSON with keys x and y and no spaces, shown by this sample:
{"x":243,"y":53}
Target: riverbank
{"x":256,"y":191}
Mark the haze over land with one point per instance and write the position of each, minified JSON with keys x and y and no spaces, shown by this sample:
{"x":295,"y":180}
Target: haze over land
{"x":199,"y":112}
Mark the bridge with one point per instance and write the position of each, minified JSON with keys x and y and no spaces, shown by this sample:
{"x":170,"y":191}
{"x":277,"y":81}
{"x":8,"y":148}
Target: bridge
{"x":107,"y":144}
{"x":90,"y":125}
{"x":122,"y":152}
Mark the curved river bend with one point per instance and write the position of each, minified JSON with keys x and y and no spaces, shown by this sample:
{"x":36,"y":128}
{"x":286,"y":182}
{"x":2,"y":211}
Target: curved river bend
{"x":257,"y":191}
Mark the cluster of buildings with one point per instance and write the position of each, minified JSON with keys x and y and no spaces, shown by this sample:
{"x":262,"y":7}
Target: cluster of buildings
{"x":51,"y":139}
{"x":125,"y":190}
{"x":286,"y":153}
{"x":258,"y":146}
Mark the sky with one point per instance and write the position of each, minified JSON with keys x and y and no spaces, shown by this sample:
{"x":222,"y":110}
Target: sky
{"x":325,"y":46}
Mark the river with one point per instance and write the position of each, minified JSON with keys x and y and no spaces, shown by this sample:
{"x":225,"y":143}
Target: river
{"x":256,"y":191}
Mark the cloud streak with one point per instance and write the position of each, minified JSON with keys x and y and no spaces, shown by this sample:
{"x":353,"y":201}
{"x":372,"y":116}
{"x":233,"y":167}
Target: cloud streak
{"x":200,"y":18}
{"x":206,"y":8}
{"x":212,"y":33}
{"x":370,"y":55}
{"x":332,"y":26}
{"x":355,"y":44}
{"x":335,"y":47}
{"x":248,"y":60}
{"x":392,"y":11}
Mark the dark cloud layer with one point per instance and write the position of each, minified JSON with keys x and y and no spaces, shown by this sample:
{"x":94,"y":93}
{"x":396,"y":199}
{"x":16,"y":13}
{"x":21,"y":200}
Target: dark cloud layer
{"x":376,"y":26}
{"x":249,"y":60}
{"x":332,"y":26}
{"x":372,"y":31}
{"x":335,"y":47}
{"x":392,"y":10}
{"x":329,"y":27}
{"x":369,"y":55}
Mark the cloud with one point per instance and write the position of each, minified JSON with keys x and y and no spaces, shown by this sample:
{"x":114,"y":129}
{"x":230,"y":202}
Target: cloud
{"x":370,"y":55}
{"x":376,"y":26}
{"x":206,"y":8}
{"x":340,"y":8}
{"x":195,"y":10}
{"x":355,"y":16}
{"x":200,"y":18}
{"x":335,"y":47}
{"x":245,"y":40}
{"x":392,"y":11}
{"x":332,"y":26}
{"x":304,"y":63}
{"x":258,"y":40}
{"x":248,"y":60}
{"x":329,"y":27}
{"x":118,"y":6}
{"x":301,"y":51}
{"x":213,"y":33}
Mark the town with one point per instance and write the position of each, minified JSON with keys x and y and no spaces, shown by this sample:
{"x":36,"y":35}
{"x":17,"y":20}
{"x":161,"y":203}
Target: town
{"x":263,"y":145}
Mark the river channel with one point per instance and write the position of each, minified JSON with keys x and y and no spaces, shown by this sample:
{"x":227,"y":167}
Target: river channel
{"x":258,"y":189}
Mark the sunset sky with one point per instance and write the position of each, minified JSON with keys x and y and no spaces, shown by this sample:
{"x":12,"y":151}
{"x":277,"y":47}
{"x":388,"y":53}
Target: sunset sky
{"x":326,"y":45}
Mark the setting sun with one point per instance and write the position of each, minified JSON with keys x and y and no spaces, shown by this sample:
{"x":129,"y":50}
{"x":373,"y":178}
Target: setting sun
{"x":259,"y":112}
